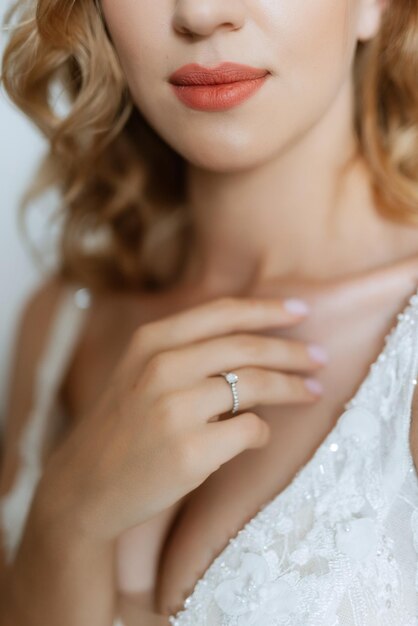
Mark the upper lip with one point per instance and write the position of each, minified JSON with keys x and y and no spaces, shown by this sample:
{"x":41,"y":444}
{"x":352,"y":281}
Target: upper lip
{"x":195,"y":74}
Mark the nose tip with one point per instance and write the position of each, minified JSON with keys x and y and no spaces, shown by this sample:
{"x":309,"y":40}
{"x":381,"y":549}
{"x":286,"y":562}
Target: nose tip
{"x":203,"y":18}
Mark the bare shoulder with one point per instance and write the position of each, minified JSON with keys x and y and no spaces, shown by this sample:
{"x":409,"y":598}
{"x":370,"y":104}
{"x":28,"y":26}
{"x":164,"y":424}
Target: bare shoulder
{"x":34,"y":321}
{"x":38,"y":308}
{"x":29,"y":337}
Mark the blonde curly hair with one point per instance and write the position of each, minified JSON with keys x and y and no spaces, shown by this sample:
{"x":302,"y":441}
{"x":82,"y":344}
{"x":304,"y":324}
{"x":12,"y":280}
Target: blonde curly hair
{"x":123,"y":187}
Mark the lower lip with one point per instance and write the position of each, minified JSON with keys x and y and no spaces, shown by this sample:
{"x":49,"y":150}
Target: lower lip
{"x":217,"y":97}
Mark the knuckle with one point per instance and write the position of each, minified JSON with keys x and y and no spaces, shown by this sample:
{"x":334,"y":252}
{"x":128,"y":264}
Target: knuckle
{"x":169,"y":408}
{"x":188,"y":456}
{"x":144,"y":337}
{"x":157,"y":366}
{"x":141,"y":335}
{"x":252,"y":426}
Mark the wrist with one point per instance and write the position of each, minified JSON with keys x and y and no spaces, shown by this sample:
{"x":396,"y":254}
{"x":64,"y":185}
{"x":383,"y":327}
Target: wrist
{"x":57,"y":510}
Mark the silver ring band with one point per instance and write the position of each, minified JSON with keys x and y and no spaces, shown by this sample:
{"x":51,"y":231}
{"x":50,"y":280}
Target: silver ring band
{"x":232,"y":379}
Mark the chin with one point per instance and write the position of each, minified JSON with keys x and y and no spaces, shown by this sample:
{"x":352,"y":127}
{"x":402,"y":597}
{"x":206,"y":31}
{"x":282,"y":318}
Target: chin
{"x":214,"y":152}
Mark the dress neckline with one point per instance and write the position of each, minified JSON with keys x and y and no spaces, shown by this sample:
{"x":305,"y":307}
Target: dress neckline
{"x":303,"y":471}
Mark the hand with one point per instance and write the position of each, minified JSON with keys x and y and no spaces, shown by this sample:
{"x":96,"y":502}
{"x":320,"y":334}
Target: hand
{"x":157,"y":433}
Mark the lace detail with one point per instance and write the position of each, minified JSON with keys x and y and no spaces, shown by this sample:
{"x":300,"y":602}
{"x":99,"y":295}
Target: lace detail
{"x":339,"y":545}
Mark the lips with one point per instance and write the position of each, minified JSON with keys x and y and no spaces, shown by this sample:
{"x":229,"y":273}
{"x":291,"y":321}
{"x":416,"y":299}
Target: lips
{"x":195,"y":74}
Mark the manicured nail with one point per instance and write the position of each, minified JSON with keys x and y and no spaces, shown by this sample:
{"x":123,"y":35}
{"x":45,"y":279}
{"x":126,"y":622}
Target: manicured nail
{"x":317,"y":353}
{"x":314,"y":385}
{"x":295,"y":305}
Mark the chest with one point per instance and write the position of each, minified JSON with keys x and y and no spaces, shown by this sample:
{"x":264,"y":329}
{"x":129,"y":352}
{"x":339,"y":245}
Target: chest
{"x":165,"y":557}
{"x":233,"y":495}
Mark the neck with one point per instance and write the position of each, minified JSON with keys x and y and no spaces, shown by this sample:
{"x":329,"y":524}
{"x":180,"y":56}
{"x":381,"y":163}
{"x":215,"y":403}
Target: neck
{"x":290,"y":216}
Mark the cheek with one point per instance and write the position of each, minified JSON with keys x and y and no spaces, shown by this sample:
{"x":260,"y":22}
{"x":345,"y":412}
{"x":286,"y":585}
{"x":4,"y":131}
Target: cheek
{"x":315,"y":38}
{"x":137,"y":29}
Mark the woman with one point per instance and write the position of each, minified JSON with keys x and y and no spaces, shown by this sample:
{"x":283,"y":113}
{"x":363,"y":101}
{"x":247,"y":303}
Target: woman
{"x":239,"y":240}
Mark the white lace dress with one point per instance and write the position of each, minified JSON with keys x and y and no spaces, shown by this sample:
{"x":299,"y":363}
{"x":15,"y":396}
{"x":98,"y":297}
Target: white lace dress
{"x":337,"y":547}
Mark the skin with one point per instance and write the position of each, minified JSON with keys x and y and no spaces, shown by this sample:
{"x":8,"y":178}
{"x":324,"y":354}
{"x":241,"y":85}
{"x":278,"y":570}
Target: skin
{"x":297,"y":127}
{"x":254,"y":170}
{"x":270,"y":219}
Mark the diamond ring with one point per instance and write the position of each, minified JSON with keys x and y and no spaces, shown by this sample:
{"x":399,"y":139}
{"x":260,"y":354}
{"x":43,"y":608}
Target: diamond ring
{"x":232,"y":379}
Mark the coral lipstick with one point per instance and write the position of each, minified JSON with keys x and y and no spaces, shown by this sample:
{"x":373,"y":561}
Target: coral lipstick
{"x":218,"y":88}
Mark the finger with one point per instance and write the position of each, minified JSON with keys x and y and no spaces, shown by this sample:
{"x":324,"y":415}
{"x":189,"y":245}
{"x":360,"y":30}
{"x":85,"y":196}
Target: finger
{"x":228,"y":438}
{"x":211,"y":398}
{"x":180,"y":368}
{"x":217,"y":317}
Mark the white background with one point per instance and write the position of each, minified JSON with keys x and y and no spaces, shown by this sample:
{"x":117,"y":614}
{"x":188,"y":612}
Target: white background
{"x":21,"y":147}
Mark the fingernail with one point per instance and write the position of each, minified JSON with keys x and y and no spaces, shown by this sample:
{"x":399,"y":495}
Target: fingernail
{"x":295,"y":305}
{"x":317,"y":353}
{"x":314,"y":385}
